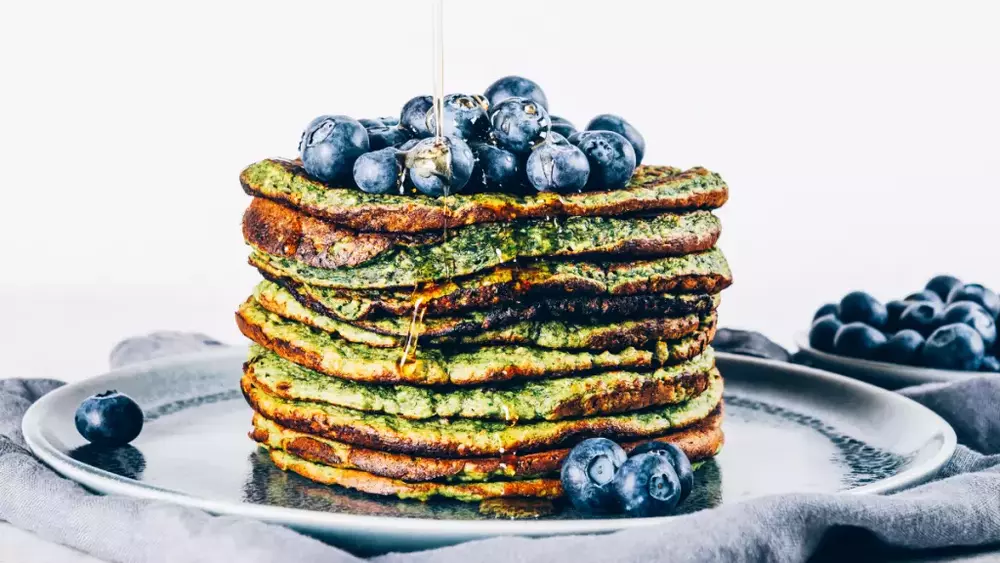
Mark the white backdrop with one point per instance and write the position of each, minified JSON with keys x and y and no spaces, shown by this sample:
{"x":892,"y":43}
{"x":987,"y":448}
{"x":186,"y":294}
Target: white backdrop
{"x":859,"y":139}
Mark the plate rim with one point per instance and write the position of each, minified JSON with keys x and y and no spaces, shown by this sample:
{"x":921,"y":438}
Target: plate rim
{"x":104,"y":482}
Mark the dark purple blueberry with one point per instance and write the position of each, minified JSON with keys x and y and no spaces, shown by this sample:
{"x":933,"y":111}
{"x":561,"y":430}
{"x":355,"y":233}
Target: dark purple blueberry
{"x":588,"y":472}
{"x":558,"y":167}
{"x":977,"y":294}
{"x":609,"y":122}
{"x":562,"y":126}
{"x":955,"y":347}
{"x":386,"y":136}
{"x":894,"y":309}
{"x":463,"y":116}
{"x":860,"y":307}
{"x":828,"y":309}
{"x":823,"y":330}
{"x":902,"y":348}
{"x":922,"y":316}
{"x":942,"y":285}
{"x":431,"y":161}
{"x":519,"y":124}
{"x":858,"y":340}
{"x":413,"y":118}
{"x":496,"y":169}
{"x":379,"y":172}
{"x":973,"y":315}
{"x":678,"y":459}
{"x":647,"y":485}
{"x":330,"y":145}
{"x":611,"y":158}
{"x":515,"y":87}
{"x":990,"y":364}
{"x":924,"y":295}
{"x":369,"y":123}
{"x":109,"y":419}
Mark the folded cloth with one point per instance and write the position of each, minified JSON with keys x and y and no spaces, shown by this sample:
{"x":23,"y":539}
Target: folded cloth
{"x":962,"y":508}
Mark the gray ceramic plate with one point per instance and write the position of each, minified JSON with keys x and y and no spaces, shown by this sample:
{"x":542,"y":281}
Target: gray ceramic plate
{"x":788,"y":428}
{"x":883,"y":374}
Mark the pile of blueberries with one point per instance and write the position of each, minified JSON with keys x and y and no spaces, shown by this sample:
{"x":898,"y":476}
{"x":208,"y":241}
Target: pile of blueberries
{"x":599,"y":478}
{"x":504,"y":140}
{"x":947,"y":325}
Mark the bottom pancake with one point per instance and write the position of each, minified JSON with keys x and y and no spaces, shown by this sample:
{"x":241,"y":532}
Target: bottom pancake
{"x":699,"y":442}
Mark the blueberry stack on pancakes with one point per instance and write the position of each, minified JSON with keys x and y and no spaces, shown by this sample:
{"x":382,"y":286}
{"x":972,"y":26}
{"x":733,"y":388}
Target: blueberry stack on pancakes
{"x":460,"y":346}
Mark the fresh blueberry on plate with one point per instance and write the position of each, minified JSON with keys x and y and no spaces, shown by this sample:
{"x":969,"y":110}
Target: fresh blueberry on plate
{"x":827,"y":309}
{"x":463,"y":116}
{"x":519,"y":124}
{"x":973,"y":315}
{"x":330,"y":145}
{"x":990,"y":364}
{"x":557,"y":166}
{"x":678,"y":459}
{"x":496,"y":168}
{"x":942,"y":285}
{"x":858,"y":340}
{"x":413,"y":118}
{"x":386,"y":136}
{"x":515,"y":87}
{"x":860,"y":307}
{"x":924,"y":295}
{"x":379,"y":172}
{"x":954,"y":346}
{"x":109,"y":419}
{"x":431,"y":161}
{"x":977,"y":294}
{"x":647,"y":485}
{"x":588,"y":472}
{"x":369,"y":123}
{"x":902,"y":348}
{"x":922,"y":316}
{"x":823,"y":331}
{"x":611,"y":157}
{"x":894,"y":309}
{"x":562,"y":126}
{"x":609,"y":122}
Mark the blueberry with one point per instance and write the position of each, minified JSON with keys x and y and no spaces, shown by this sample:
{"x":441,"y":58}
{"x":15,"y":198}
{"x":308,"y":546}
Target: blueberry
{"x":389,"y":121}
{"x":922,"y":316}
{"x":330,"y":145}
{"x":861,"y":307}
{"x":973,"y":315}
{"x":608,"y":122}
{"x":109,"y":419}
{"x":990,"y":364}
{"x":588,"y":472}
{"x":942,"y":285}
{"x":408,"y":145}
{"x":823,"y":330}
{"x":519,"y":124}
{"x":463,"y":116}
{"x":558,"y":167}
{"x":955,"y":346}
{"x":386,"y":136}
{"x":977,"y":294}
{"x":678,"y":459}
{"x":431,"y":161}
{"x":562,"y":126}
{"x":413,"y":118}
{"x":515,"y":87}
{"x":858,"y":340}
{"x":611,"y":157}
{"x":369,"y":123}
{"x":828,"y":309}
{"x":496,"y":168}
{"x":924,"y":295}
{"x":903,"y":348}
{"x":379,"y":172}
{"x":894,"y":309}
{"x":647,"y":485}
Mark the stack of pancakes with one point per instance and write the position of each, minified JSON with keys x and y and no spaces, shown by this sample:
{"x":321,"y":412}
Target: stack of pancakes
{"x":460,"y":346}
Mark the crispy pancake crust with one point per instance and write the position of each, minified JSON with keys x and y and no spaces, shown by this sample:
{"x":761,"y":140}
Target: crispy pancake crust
{"x":699,"y":442}
{"x":652,"y":188}
{"x":335,"y":356}
{"x":464,"y":437}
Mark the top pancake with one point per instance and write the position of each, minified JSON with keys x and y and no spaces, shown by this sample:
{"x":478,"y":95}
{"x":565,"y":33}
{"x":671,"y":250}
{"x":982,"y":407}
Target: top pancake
{"x":652,"y":189}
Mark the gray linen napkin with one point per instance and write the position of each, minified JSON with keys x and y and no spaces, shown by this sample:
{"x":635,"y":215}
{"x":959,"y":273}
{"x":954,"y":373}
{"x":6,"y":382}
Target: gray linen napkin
{"x":960,"y":509}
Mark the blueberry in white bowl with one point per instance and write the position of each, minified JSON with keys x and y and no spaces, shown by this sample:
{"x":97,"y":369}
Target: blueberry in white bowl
{"x":109,"y":419}
{"x":588,"y":472}
{"x":975,"y":316}
{"x":519,"y":124}
{"x":609,"y":122}
{"x":858,"y":340}
{"x":329,"y":146}
{"x":515,"y":87}
{"x":647,"y":485}
{"x":861,"y":307}
{"x":902,"y":348}
{"x":557,"y":166}
{"x":976,"y":293}
{"x":611,"y":158}
{"x":463,"y":116}
{"x":439,"y":167}
{"x":823,"y":331}
{"x":956,"y":347}
{"x":921,"y":316}
{"x":413,"y":117}
{"x":942,"y":285}
{"x":379,"y":172}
